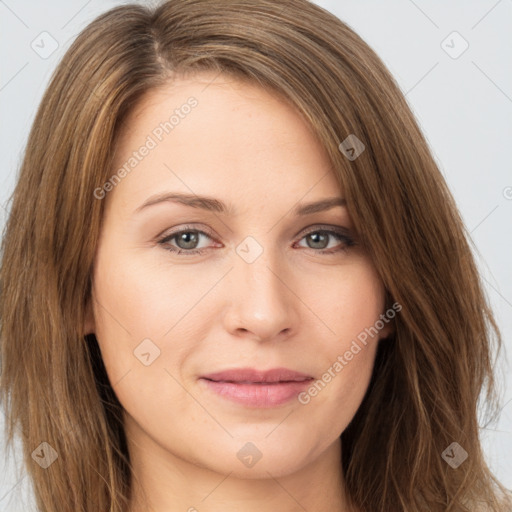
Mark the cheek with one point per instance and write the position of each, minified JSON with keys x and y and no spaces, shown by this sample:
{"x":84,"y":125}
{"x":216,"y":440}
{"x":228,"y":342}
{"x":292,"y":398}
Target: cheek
{"x":133,"y":311}
{"x":351,"y":306}
{"x":147,"y":311}
{"x":128,"y":311}
{"x":135,"y":298}
{"x":349,"y":302}
{"x":145,"y":292}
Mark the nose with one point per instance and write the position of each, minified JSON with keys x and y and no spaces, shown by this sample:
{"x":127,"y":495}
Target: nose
{"x":260,"y":303}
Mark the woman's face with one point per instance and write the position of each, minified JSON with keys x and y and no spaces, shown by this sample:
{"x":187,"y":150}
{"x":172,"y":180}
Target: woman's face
{"x":272,"y":288}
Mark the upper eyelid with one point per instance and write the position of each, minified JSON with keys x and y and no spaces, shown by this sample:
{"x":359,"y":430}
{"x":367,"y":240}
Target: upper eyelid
{"x":302,"y":233}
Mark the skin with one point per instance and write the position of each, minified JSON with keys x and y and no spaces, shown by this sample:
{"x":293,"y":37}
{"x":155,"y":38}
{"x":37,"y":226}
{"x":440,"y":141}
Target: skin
{"x":292,"y":307}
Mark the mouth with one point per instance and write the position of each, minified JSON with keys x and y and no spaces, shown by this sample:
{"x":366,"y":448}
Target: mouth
{"x":253,"y":376}
{"x":255,"y":388}
{"x":267,"y":383}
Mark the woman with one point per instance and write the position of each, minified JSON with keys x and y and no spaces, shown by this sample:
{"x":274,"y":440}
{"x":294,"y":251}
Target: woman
{"x":233,"y":277}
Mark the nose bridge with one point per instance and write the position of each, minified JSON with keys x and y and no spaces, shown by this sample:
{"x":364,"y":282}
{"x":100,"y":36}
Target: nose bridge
{"x":261,"y":301}
{"x":259,"y":268}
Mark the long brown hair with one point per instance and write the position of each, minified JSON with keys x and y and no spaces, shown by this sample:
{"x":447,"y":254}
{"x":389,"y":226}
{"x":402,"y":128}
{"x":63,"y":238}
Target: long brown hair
{"x":429,"y":377}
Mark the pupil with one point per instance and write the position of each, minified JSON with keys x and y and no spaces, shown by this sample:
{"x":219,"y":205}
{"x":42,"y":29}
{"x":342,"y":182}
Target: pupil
{"x":185,"y":238}
{"x":316,"y":236}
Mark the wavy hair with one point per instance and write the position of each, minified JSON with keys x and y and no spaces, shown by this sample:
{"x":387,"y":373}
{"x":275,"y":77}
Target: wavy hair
{"x":429,"y":377}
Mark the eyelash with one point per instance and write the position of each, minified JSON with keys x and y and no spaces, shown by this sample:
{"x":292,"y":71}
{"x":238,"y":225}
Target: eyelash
{"x":338,"y":233}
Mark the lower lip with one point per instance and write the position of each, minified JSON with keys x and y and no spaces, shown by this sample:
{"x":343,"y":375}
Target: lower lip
{"x":258,"y":395}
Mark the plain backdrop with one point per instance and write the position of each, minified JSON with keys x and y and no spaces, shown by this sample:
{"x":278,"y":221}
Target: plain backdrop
{"x":451,"y":60}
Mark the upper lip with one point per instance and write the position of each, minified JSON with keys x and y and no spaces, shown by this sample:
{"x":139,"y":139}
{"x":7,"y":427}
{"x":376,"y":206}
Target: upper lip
{"x":253,"y":375}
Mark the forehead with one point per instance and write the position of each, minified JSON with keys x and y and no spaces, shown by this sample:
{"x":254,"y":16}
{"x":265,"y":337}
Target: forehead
{"x":216,"y":135}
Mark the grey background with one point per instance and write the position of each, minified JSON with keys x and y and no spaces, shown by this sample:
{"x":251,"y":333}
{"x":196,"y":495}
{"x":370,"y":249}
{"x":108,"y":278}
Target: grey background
{"x":463,"y":104}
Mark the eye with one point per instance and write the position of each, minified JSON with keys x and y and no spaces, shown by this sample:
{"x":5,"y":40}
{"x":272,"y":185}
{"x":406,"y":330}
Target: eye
{"x":318,"y":240}
{"x":187,"y":240}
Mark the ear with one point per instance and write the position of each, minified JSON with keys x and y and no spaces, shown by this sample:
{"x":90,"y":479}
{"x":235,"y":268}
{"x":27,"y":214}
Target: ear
{"x":89,"y":324}
{"x":387,"y":330}
{"x":391,"y":308}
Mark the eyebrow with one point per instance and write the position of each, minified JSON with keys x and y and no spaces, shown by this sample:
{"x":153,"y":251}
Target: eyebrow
{"x":215,"y":205}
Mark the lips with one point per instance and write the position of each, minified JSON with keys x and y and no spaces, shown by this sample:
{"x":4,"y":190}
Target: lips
{"x":256,"y":388}
{"x":253,"y":376}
